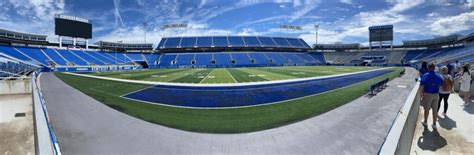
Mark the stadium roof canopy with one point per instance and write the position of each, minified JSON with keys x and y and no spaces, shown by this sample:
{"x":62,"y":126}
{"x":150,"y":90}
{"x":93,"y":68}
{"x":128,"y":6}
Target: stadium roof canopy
{"x":124,"y":46}
{"x":435,"y":42}
{"x":10,"y":37}
{"x":337,"y":46}
{"x":467,"y":38}
{"x":232,"y":43}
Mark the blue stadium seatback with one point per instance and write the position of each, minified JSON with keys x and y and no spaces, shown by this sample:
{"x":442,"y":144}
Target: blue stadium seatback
{"x":14,"y":53}
{"x":55,"y":56}
{"x":184,"y":59}
{"x":204,"y":42}
{"x":236,"y":42}
{"x":282,"y":42}
{"x":231,"y":41}
{"x":172,"y":43}
{"x":203,"y":59}
{"x":220,"y":42}
{"x":71,"y":57}
{"x":36,"y":54}
{"x":252,"y":42}
{"x":188,"y":42}
{"x":267,"y":42}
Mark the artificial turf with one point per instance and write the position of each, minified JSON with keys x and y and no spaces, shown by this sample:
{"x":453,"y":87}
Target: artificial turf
{"x":231,"y":75}
{"x":235,"y":120}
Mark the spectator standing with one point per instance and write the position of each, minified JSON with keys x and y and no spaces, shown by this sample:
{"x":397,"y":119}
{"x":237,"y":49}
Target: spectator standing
{"x":450,"y":68}
{"x":445,"y":89}
{"x":424,"y":68}
{"x":430,"y":83}
{"x":465,"y":84}
{"x":456,"y":67}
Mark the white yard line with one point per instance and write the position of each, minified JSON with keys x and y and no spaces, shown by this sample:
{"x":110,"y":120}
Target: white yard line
{"x":206,"y":76}
{"x":235,"y":81}
{"x":223,"y":84}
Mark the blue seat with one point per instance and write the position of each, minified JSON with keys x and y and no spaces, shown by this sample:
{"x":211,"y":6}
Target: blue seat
{"x":223,"y":59}
{"x":203,"y":59}
{"x":167,"y":60}
{"x":88,"y":57}
{"x":184,"y":59}
{"x":36,"y":54}
{"x":55,"y":56}
{"x":72,"y":57}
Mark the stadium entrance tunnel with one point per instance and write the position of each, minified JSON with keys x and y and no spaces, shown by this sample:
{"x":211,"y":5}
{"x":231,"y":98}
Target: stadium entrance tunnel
{"x":142,"y":63}
{"x":248,"y":95}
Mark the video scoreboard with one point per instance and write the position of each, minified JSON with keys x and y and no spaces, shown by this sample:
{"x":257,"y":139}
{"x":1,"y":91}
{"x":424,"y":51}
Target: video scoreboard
{"x":71,"y":26}
{"x":381,"y":33}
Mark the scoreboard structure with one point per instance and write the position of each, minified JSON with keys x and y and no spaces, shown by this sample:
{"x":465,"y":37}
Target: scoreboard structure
{"x":381,"y":36}
{"x":70,"y":27}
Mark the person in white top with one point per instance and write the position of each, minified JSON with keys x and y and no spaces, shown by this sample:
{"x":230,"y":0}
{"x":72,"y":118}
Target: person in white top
{"x":445,"y":89}
{"x":456,"y":67}
{"x":465,"y":83}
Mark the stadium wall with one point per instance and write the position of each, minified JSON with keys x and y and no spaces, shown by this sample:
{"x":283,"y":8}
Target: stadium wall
{"x":400,"y":136}
{"x":94,"y":68}
{"x":15,"y":86}
{"x":45,"y":140}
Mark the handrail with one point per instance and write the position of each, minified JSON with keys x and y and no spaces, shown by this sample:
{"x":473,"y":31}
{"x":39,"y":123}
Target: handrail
{"x":46,"y":142}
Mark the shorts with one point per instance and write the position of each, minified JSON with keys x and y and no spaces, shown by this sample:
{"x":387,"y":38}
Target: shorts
{"x":465,"y":87}
{"x":430,"y":101}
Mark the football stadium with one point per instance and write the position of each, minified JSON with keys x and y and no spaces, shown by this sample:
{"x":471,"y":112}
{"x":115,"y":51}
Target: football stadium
{"x":69,"y":89}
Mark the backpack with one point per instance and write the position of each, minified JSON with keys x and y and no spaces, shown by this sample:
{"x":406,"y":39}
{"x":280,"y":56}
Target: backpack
{"x":447,"y":84}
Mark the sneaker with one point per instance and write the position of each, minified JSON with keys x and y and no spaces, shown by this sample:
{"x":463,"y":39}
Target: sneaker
{"x":424,"y":123}
{"x":434,"y":126}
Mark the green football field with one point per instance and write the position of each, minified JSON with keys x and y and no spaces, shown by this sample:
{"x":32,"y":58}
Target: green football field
{"x":231,"y":75}
{"x":232,"y":120}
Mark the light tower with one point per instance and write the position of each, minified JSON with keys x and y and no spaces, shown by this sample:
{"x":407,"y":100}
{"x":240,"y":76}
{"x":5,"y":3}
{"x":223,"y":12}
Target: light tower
{"x":316,"y":28}
{"x":145,"y":27}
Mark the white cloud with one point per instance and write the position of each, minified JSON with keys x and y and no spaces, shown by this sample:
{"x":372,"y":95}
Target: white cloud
{"x":453,"y":24}
{"x":136,"y":34}
{"x":248,"y":32}
{"x":346,"y":1}
{"x":358,"y":25}
{"x":378,"y":18}
{"x":203,"y":2}
{"x":118,"y":17}
{"x":433,"y":14}
{"x":42,"y":9}
{"x":403,"y":5}
{"x":30,"y":16}
{"x":307,"y":7}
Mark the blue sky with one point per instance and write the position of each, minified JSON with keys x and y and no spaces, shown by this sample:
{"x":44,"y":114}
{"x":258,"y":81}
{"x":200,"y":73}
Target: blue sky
{"x":344,"y":21}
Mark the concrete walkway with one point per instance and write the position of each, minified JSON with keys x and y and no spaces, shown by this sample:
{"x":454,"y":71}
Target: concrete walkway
{"x":86,"y":126}
{"x":16,"y":124}
{"x":454,"y":134}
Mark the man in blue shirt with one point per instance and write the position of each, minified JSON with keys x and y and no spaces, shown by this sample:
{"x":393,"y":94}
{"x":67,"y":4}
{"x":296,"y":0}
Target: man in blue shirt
{"x":430,"y":83}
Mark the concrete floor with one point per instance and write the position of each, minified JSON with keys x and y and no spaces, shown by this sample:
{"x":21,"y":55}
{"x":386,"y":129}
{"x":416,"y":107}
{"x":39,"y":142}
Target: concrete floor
{"x":454,"y":134}
{"x":86,"y":126}
{"x":16,"y":133}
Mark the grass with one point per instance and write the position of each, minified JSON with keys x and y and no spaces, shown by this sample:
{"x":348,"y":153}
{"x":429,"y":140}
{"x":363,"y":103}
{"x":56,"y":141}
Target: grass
{"x":220,"y":75}
{"x":237,"y":120}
